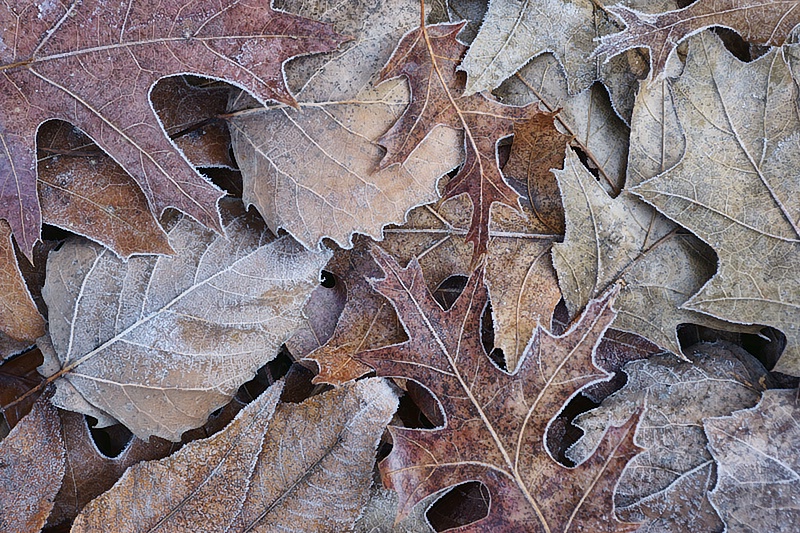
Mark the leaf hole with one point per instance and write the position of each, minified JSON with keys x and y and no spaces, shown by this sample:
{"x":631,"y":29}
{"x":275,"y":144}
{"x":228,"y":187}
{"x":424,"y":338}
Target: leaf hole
{"x":449,"y":290}
{"x":327,"y":279}
{"x":562,"y":433}
{"x":462,"y":505}
{"x":111,"y":440}
{"x":487,"y":339}
{"x":418,"y":408}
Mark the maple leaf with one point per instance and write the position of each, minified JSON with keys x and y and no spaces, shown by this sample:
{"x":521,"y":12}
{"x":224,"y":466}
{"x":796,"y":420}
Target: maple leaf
{"x":733,"y":186}
{"x":756,"y":454}
{"x":625,"y":239}
{"x":427,"y":57}
{"x":92,"y":63}
{"x":172,"y":337}
{"x":515,"y":32}
{"x":666,"y":485}
{"x":314,"y":171}
{"x":495,"y":421}
{"x":765,"y":22}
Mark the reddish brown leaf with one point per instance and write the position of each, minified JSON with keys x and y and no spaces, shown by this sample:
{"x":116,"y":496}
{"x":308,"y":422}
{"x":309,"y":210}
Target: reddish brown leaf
{"x":538,"y":147}
{"x":765,"y":22}
{"x":17,"y":377}
{"x":428,"y":57}
{"x":31,"y":468}
{"x":19,"y":317}
{"x":495,"y":421}
{"x":93,"y":63}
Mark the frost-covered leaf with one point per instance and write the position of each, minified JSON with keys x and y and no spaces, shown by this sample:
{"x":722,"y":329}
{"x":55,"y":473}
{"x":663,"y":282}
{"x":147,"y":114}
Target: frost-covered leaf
{"x":20,"y":320}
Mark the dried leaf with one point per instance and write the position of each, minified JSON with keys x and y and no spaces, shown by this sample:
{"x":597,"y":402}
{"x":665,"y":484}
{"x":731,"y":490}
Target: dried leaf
{"x":203,"y":484}
{"x":427,"y":57}
{"x":515,"y":32}
{"x":757,"y":465}
{"x":314,"y":172}
{"x":17,"y":376}
{"x":495,"y":421}
{"x":665,"y":486}
{"x":158,"y":343}
{"x":19,"y":318}
{"x":92,"y":63}
{"x":323,"y":484}
{"x":379,"y":514}
{"x":765,"y":22}
{"x":730,"y":187}
{"x":31,"y":468}
{"x":623,"y":239}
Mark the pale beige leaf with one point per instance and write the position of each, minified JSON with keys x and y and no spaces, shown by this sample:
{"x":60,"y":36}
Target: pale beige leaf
{"x":381,"y":510}
{"x":758,"y":471}
{"x":624,"y":239}
{"x":201,"y":486}
{"x":665,"y":486}
{"x":315,"y":468}
{"x":32,"y":461}
{"x":514,"y":32}
{"x":736,"y":185}
{"x":158,"y":343}
{"x":314,"y":171}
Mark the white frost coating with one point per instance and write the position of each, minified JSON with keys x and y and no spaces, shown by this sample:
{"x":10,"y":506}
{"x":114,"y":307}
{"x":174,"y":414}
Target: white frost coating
{"x":46,"y":7}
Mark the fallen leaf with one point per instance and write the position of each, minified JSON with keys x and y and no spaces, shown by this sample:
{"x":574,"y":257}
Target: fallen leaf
{"x":730,"y":188}
{"x":624,"y":239}
{"x":17,"y":376}
{"x":380,"y":512}
{"x":666,"y":485}
{"x":495,"y":421}
{"x":314,"y":171}
{"x":19,"y":318}
{"x":427,"y":57}
{"x":757,"y":465}
{"x":31,"y":467}
{"x":157,"y":343}
{"x":93,"y":64}
{"x":515,"y":32}
{"x":205,"y":480}
{"x":765,"y":22}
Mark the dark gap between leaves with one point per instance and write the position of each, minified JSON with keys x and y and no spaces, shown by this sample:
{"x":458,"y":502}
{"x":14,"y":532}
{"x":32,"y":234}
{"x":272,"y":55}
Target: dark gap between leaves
{"x":463,"y":504}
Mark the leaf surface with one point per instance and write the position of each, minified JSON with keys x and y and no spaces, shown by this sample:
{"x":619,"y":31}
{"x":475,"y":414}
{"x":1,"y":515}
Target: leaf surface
{"x":765,"y":22}
{"x":734,"y":187}
{"x":495,"y":421}
{"x":92,"y":63}
{"x":20,"y":320}
{"x":758,"y":470}
{"x":158,"y":343}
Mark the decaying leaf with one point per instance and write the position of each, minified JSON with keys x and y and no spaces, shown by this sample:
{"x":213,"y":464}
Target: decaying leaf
{"x":20,"y":320}
{"x":314,"y":171}
{"x":18,"y":376}
{"x":515,"y":32}
{"x":624,"y":239}
{"x":495,"y":421}
{"x":381,"y":510}
{"x":757,"y":465}
{"x":765,"y":22}
{"x":31,"y":467}
{"x":158,"y":343}
{"x":203,"y":484}
{"x":666,"y":485}
{"x":427,"y":57}
{"x":92,"y":63}
{"x":732,"y":187}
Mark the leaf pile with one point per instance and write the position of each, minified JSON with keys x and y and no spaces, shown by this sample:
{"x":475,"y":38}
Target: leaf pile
{"x":399,"y":266}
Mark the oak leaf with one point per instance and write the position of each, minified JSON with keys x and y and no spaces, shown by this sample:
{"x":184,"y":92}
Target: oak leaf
{"x":732,"y":187}
{"x":495,"y":421}
{"x":666,"y":485}
{"x":766,"y":22}
{"x":159,"y":342}
{"x":93,"y":63}
{"x":757,"y":464}
{"x":427,"y":57}
{"x":32,"y":463}
{"x":20,"y":320}
{"x":314,"y":171}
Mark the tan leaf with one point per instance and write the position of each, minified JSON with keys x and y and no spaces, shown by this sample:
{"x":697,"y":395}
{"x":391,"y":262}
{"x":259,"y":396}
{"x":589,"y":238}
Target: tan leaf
{"x":158,"y":343}
{"x":19,"y":318}
{"x":314,"y":171}
{"x":495,"y":422}
{"x":515,"y":32}
{"x":31,"y":467}
{"x":757,"y":465}
{"x":623,"y":239}
{"x":731,"y":187}
{"x":765,"y":22}
{"x":202,"y":485}
{"x":666,"y":485}
{"x":379,"y":515}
